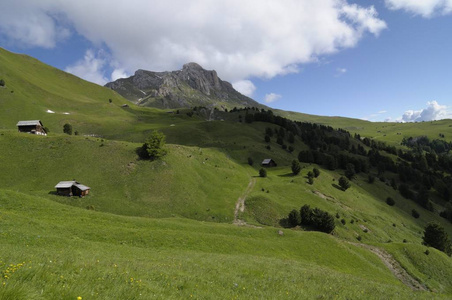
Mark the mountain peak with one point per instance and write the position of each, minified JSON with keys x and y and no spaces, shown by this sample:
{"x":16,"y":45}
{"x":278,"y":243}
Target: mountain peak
{"x":192,"y":65}
{"x":191,"y":86}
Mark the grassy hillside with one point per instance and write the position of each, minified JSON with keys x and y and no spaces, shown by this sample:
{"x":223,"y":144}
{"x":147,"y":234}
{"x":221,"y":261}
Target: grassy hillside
{"x":388,"y":132}
{"x":141,"y":232}
{"x":81,"y":253}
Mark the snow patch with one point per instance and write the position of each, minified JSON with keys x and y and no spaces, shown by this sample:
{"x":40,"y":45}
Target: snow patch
{"x":50,"y":111}
{"x":66,"y":113}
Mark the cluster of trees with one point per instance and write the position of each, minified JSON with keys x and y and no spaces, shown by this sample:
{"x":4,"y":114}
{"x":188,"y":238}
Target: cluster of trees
{"x":423,"y":143}
{"x":315,"y":218}
{"x":419,"y":172}
{"x":436,"y":236}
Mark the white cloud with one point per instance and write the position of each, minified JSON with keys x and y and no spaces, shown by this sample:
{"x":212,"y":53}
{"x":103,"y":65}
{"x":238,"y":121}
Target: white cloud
{"x":433,"y":111}
{"x":246,"y":87}
{"x":118,"y":73}
{"x":340,"y":71}
{"x":240,"y":39}
{"x":375,"y":116}
{"x":272,"y":97}
{"x":90,"y":67}
{"x":425,"y":8}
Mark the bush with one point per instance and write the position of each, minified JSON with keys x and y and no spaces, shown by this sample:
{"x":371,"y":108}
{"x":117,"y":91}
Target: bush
{"x":436,"y":237}
{"x":262,"y":172}
{"x":267,"y":138}
{"x":296,"y":168}
{"x":371,"y":179}
{"x":317,"y":218}
{"x":155,"y":145}
{"x":343,"y":221}
{"x":316,"y":172}
{"x":311,"y":180}
{"x":344,"y":183}
{"x":250,"y":161}
{"x":67,"y":128}
{"x":415,"y":213}
{"x":2,"y":82}
{"x":294,"y":218}
{"x":390,"y":201}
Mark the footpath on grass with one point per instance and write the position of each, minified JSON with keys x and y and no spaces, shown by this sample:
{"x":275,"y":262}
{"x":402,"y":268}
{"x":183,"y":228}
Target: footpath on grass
{"x":240,"y":205}
{"x":395,"y":267}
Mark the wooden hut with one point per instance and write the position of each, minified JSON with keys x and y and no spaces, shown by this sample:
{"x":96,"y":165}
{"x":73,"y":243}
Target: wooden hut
{"x":268,"y":162}
{"x":33,"y":127}
{"x":72,"y":188}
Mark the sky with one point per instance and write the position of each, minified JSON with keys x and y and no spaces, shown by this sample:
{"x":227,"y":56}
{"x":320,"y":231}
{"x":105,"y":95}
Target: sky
{"x":381,"y":60}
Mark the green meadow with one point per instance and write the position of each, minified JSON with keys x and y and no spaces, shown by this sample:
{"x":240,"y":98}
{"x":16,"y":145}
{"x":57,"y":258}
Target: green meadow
{"x":165,"y":229}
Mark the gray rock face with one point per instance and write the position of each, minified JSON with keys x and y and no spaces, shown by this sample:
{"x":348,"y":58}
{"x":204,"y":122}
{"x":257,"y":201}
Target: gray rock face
{"x":191,"y":86}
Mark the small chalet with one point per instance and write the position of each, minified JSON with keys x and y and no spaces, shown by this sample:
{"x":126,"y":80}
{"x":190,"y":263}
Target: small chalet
{"x":72,"y":188}
{"x":268,"y":162}
{"x":33,"y":127}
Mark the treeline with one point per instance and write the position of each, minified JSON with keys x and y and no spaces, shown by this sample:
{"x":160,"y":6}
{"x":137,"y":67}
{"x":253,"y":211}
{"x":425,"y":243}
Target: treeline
{"x":416,"y":174}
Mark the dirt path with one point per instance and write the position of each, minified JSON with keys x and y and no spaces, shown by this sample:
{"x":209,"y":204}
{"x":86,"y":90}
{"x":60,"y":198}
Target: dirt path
{"x":396,"y":269}
{"x":240,"y":205}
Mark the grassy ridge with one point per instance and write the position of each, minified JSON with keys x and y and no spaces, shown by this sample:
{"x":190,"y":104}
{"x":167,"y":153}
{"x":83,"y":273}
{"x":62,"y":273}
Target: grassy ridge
{"x":174,"y":258}
{"x":192,"y":182}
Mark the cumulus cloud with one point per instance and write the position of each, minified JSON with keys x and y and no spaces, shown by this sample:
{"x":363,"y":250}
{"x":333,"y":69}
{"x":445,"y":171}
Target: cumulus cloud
{"x":246,"y":87}
{"x":425,"y":8}
{"x":239,"y":39}
{"x":272,"y":97}
{"x":433,"y":111}
{"x":90,"y":67}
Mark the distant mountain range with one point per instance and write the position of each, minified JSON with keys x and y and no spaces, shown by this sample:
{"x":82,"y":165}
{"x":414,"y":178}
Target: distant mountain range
{"x":189,"y":87}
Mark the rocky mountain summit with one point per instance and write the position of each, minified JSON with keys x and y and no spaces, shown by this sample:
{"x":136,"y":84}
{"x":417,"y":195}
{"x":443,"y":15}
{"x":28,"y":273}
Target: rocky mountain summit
{"x":191,"y":86}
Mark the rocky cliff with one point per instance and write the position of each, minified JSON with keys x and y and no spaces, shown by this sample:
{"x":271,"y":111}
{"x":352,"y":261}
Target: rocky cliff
{"x":191,"y":86}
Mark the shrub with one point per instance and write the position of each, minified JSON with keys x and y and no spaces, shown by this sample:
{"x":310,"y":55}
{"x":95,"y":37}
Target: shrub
{"x":415,"y":213}
{"x":316,"y":172}
{"x":390,"y":201}
{"x":317,"y":218}
{"x":436,"y":237}
{"x":250,"y":161}
{"x":343,"y":221}
{"x":76,"y":132}
{"x":310,"y":174}
{"x":371,"y":179}
{"x":359,"y":238}
{"x":311,"y":180}
{"x":262,"y":172}
{"x":67,"y":128}
{"x":291,"y":149}
{"x":344,"y":183}
{"x":294,"y":218}
{"x":2,"y":82}
{"x":155,"y":145}
{"x":296,"y":168}
{"x":267,"y":138}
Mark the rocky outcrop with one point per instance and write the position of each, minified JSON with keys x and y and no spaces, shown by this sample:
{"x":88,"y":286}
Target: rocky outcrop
{"x":191,"y":86}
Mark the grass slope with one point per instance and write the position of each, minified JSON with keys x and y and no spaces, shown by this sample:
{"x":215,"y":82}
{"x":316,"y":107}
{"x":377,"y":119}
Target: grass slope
{"x":81,"y":253}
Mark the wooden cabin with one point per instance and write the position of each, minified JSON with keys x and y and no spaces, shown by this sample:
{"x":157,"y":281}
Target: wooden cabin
{"x":268,"y":162}
{"x":33,"y":127}
{"x":72,"y":188}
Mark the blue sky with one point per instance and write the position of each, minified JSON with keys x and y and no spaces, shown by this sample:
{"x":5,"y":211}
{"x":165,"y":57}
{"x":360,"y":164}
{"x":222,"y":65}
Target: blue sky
{"x":373,"y":60}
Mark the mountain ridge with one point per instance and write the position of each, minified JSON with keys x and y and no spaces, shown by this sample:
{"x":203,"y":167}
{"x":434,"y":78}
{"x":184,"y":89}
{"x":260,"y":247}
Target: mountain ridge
{"x":191,"y":86}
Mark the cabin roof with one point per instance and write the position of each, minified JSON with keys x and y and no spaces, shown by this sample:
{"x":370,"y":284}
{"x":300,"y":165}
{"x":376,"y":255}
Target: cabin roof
{"x":29,"y":123}
{"x":82,"y":186}
{"x":68,"y":184}
{"x":266,"y":161}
